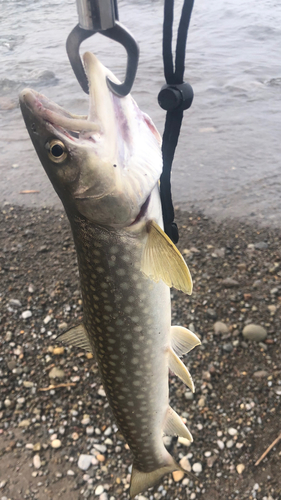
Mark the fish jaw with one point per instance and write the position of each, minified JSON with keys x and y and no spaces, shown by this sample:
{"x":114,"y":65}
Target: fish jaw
{"x":110,"y":161}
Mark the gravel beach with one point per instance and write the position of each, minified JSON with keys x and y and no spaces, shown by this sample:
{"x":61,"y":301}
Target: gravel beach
{"x":57,"y":436}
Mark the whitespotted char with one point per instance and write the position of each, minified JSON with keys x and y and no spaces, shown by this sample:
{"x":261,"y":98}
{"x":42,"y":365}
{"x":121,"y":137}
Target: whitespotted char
{"x":106,"y":169}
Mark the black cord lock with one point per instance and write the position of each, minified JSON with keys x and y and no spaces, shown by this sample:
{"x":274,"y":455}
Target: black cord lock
{"x":175,"y":96}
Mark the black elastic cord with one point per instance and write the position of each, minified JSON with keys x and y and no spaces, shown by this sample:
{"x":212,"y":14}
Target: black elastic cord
{"x":174,"y":116}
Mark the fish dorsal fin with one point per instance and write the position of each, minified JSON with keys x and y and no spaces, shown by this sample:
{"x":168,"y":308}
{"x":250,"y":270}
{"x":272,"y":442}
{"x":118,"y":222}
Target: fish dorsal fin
{"x":76,"y":336}
{"x":179,"y":369}
{"x":174,"y":426}
{"x":183,"y":340}
{"x":141,"y":481}
{"x":162,"y":260}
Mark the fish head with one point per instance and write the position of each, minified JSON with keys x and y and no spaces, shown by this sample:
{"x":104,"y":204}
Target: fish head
{"x":104,"y":165}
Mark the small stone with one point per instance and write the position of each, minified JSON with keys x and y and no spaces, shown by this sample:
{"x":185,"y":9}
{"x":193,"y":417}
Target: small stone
{"x":211,"y":460}
{"x":228,"y":347}
{"x":108,"y":431}
{"x":185,"y":464}
{"x":167,"y":440}
{"x":62,"y":326}
{"x":26,"y":314}
{"x":70,"y":472}
{"x":58,"y":474}
{"x":28,"y":384}
{"x":47,"y":319}
{"x":254,"y":332}
{"x":85,"y":461}
{"x":75,"y":436}
{"x":24,"y":423}
{"x":56,"y":443}
{"x":201,"y":402}
{"x":36,"y":461}
{"x":99,"y":490}
{"x":90,"y":430}
{"x":108,"y":442}
{"x":100,"y":447}
{"x":100,"y":457}
{"x":104,"y":496}
{"x":229,"y":283}
{"x":188,"y":395}
{"x":31,"y":288}
{"x":197,"y":467}
{"x":220,"y":328}
{"x":178,"y":475}
{"x":56,"y":373}
{"x":36,"y":447}
{"x":261,"y":245}
{"x":8,"y":336}
{"x":101,"y":392}
{"x":240,"y":468}
{"x":3,"y":484}
{"x":15,"y":303}
{"x":85,"y":420}
{"x":232,"y":432}
{"x":57,"y":351}
{"x":229,"y":443}
{"x":211,"y":313}
{"x":220,"y":444}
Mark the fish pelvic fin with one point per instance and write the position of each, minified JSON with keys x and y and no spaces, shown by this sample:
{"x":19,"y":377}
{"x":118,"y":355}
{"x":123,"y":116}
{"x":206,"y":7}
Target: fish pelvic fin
{"x":162,"y":260}
{"x":141,"y":481}
{"x":179,"y":369}
{"x":174,"y":426}
{"x":183,"y":340}
{"x":76,"y":336}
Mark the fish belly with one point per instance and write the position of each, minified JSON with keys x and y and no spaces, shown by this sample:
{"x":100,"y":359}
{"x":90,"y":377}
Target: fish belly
{"x":128,"y":319}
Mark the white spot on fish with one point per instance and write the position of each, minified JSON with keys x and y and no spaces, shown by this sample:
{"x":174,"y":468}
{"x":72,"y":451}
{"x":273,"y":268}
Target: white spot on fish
{"x":100,"y":269}
{"x":128,"y":309}
{"x":134,"y":361}
{"x":124,"y":285}
{"x":113,"y":249}
{"x":120,"y":272}
{"x":108,"y":308}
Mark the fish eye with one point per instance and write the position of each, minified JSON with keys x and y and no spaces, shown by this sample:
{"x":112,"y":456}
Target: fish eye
{"x":57,"y":151}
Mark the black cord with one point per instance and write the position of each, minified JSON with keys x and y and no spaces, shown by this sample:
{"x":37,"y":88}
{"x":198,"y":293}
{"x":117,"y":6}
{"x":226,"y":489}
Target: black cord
{"x":175,"y":97}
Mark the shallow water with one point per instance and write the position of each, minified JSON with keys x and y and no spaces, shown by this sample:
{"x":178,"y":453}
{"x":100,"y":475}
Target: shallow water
{"x":228,"y":158}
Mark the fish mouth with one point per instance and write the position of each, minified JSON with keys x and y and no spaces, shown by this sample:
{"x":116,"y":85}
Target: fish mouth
{"x":103,"y":108}
{"x":57,"y":119}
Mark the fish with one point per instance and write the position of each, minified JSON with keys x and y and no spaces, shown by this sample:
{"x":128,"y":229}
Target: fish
{"x":105,"y":168}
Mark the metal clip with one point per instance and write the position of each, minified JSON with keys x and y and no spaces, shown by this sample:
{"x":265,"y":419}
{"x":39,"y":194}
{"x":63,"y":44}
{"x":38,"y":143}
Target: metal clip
{"x":101,"y":16}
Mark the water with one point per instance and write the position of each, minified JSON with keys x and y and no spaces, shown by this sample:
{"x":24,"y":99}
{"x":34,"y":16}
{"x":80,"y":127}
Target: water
{"x":228,"y":158}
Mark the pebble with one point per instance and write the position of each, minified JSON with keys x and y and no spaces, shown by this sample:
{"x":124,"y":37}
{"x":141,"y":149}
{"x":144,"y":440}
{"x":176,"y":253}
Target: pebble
{"x":28,"y":384}
{"x":36,"y":447}
{"x":240,"y":468}
{"x":85,"y":461}
{"x":232,"y":432}
{"x":99,"y":490}
{"x":15,"y":302}
{"x":261,"y":245}
{"x":101,"y":392}
{"x":108,"y":431}
{"x":90,"y":430}
{"x":58,"y":351}
{"x":228,"y":347}
{"x":201,"y":402}
{"x":211,"y":313}
{"x":70,"y":472}
{"x":197,"y":467}
{"x":229,"y":443}
{"x":254,"y":332}
{"x":100,"y":447}
{"x":220,"y":328}
{"x":220,"y":444}
{"x":100,"y":457}
{"x":85,"y":420}
{"x":230,"y":283}
{"x":56,"y":443}
{"x":36,"y":461}
{"x":178,"y":475}
{"x":185,"y":464}
{"x":56,"y":373}
{"x":26,"y":314}
{"x":47,"y":319}
{"x":24,"y":423}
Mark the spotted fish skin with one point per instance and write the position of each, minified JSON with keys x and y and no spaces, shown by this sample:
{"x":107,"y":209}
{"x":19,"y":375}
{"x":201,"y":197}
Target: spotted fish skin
{"x":127,"y":317}
{"x":106,"y":168}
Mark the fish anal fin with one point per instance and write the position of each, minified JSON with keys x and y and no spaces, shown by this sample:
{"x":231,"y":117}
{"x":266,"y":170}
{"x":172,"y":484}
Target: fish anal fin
{"x":183,"y":340}
{"x":141,"y":481}
{"x":174,"y":426}
{"x":179,"y":369}
{"x":162,"y":260}
{"x":76,"y":336}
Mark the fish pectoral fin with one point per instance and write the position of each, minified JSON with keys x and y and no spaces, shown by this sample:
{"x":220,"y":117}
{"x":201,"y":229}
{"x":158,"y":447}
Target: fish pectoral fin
{"x":162,"y":260}
{"x":183,"y":340}
{"x":76,"y":336}
{"x":141,"y":481}
{"x":174,"y":426}
{"x":179,"y":369}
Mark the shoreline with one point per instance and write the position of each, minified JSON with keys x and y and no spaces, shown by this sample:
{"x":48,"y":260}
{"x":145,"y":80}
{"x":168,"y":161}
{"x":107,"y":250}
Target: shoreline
{"x":234,"y":414}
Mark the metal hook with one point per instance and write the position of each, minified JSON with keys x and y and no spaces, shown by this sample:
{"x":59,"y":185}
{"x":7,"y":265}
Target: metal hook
{"x":120,"y":34}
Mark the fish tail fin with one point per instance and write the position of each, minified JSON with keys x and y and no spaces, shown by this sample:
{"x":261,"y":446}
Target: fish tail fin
{"x":141,"y":481}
